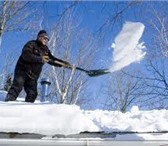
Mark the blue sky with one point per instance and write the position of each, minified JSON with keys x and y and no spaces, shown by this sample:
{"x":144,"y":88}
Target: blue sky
{"x":91,"y":15}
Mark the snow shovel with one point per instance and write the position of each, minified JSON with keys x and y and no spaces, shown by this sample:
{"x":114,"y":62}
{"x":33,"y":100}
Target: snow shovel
{"x":91,"y":73}
{"x":94,"y":73}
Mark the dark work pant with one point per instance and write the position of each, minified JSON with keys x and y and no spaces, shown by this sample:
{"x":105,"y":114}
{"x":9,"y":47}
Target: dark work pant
{"x":21,"y":80}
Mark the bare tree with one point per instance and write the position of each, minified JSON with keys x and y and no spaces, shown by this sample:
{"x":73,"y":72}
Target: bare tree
{"x":160,"y":28}
{"x":5,"y":69}
{"x":157,"y":78}
{"x":73,"y":44}
{"x":11,"y":15}
{"x":116,"y":16}
{"x":123,"y":91}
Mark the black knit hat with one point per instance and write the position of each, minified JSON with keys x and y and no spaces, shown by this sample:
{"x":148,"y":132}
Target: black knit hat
{"x":42,"y":33}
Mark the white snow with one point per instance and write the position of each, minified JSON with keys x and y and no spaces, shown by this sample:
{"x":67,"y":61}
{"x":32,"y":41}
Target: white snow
{"x":43,"y":118}
{"x":51,"y":119}
{"x":126,"y":47}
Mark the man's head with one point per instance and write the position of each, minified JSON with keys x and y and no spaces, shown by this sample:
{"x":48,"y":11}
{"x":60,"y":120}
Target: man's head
{"x":43,"y":37}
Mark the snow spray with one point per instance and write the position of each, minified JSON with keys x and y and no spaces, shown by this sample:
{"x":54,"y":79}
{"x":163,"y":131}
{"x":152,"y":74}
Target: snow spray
{"x":126,"y":46}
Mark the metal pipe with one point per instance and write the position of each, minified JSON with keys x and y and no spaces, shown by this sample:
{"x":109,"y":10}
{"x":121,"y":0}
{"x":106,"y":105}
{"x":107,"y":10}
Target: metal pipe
{"x":45,"y":83}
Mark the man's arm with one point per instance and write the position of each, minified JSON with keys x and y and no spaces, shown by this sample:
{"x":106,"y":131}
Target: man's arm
{"x":57,"y":62}
{"x":29,"y":55}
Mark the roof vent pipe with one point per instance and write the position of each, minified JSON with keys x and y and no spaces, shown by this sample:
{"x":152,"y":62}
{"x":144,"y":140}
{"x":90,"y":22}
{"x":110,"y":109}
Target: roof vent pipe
{"x":45,"y":83}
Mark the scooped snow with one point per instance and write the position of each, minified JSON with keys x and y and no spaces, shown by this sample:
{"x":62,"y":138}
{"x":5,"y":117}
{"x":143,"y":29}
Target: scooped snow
{"x":126,"y":47}
{"x":52,"y":119}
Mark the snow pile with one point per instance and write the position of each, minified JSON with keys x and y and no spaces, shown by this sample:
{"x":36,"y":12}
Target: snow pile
{"x":127,"y":48}
{"x":140,"y":123}
{"x":42,"y":118}
{"x":135,"y":120}
{"x":45,"y":119}
{"x":52,"y":119}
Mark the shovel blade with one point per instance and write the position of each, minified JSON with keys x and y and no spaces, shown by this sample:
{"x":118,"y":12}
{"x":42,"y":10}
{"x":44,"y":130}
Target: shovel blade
{"x":99,"y":72}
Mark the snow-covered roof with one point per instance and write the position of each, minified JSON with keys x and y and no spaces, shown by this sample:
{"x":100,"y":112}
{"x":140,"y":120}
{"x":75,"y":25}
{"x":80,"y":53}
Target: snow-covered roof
{"x":59,"y":119}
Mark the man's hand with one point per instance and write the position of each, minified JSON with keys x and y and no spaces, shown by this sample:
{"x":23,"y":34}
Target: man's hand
{"x":67,"y":64}
{"x":45,"y":58}
{"x":63,"y":63}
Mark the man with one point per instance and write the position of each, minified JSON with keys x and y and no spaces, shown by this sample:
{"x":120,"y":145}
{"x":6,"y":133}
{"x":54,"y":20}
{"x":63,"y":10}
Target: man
{"x":29,"y":66}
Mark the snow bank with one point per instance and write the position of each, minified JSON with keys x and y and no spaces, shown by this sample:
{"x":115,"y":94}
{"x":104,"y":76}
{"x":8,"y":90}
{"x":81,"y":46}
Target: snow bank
{"x":139,"y":121}
{"x":42,"y":118}
{"x":46,"y":119}
{"x":142,"y":122}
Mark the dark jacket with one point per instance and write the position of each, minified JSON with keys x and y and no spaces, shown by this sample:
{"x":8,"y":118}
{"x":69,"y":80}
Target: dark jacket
{"x":30,"y":61}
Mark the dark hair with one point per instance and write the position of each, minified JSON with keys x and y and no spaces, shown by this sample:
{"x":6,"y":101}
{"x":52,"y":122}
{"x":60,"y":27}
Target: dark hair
{"x":42,"y":32}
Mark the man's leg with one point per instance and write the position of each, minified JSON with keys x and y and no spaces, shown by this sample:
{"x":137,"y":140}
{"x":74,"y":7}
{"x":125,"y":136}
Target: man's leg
{"x":16,"y":87}
{"x":31,"y":90}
